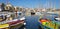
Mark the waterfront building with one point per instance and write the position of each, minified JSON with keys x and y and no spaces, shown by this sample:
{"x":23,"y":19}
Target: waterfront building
{"x":9,"y":7}
{"x":20,"y":9}
{"x":57,"y":11}
{"x":16,"y":8}
{"x":27,"y":11}
{"x":35,"y":9}
{"x":44,"y":10}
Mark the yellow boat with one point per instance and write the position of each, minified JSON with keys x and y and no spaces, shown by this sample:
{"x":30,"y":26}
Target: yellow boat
{"x":4,"y":26}
{"x":12,"y":23}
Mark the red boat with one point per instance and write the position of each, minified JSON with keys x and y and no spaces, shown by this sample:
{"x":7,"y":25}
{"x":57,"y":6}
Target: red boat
{"x":11,"y":24}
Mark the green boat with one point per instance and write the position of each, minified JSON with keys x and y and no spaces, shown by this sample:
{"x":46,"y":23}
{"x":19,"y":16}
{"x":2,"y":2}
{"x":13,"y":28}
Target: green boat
{"x":48,"y":23}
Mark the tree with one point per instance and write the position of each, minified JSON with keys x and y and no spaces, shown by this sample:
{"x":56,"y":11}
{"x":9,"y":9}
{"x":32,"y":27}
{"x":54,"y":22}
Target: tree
{"x":2,"y":6}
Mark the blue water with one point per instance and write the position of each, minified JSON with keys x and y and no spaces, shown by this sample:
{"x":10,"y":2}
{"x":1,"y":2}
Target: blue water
{"x":32,"y":22}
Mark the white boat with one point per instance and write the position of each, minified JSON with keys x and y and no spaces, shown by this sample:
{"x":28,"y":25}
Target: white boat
{"x":12,"y":23}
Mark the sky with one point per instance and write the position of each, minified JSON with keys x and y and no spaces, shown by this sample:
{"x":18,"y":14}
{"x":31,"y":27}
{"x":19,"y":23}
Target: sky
{"x":34,"y":3}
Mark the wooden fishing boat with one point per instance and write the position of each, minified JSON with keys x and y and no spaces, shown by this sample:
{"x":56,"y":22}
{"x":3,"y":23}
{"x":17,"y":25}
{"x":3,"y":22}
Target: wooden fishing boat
{"x":11,"y":24}
{"x":49,"y":23}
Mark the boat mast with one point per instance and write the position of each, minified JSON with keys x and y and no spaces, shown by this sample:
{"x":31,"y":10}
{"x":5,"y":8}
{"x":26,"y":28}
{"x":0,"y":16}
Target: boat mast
{"x":54,"y":6}
{"x":50,"y":5}
{"x":7,"y":1}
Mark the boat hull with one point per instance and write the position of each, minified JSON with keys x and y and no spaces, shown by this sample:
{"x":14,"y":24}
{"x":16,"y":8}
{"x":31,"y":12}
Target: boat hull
{"x":12,"y":24}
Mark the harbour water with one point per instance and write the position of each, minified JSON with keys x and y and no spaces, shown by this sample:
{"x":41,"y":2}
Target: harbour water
{"x":32,"y":22}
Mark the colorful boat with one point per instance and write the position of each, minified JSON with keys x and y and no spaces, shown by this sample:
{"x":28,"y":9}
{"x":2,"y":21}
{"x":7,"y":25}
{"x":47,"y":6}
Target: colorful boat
{"x":47,"y":23}
{"x":11,"y":23}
